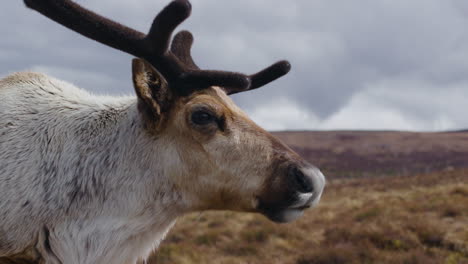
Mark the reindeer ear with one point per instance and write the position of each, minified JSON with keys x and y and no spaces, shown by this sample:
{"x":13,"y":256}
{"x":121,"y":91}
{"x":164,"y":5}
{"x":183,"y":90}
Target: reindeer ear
{"x":151,"y":87}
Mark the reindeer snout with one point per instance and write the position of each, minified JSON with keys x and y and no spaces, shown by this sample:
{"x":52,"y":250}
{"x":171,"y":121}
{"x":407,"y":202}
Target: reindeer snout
{"x":309,"y":183}
{"x":304,"y":183}
{"x":296,"y":186}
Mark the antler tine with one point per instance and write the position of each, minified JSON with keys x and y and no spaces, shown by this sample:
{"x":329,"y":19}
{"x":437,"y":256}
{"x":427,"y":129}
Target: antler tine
{"x":265,"y":76}
{"x":181,"y":45}
{"x":200,"y":79}
{"x":270,"y":74}
{"x":164,"y":24}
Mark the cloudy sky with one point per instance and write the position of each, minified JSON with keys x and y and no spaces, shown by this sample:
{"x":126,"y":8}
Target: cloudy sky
{"x":364,"y":64}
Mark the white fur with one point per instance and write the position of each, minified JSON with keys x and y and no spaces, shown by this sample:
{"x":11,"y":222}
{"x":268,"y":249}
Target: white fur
{"x":84,"y":181}
{"x":54,"y":139}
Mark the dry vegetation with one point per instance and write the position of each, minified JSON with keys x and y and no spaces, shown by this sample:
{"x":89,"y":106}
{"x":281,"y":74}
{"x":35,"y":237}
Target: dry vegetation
{"x":355,"y":154}
{"x":390,"y":216}
{"x":418,"y":219}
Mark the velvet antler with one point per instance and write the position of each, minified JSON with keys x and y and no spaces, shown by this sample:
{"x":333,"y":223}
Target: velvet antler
{"x":176,"y":64}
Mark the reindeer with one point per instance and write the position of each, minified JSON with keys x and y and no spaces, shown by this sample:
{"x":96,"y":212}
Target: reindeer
{"x":91,"y":179}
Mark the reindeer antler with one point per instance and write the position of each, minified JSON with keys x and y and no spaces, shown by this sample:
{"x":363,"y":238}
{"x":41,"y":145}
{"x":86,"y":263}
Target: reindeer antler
{"x":176,"y":64}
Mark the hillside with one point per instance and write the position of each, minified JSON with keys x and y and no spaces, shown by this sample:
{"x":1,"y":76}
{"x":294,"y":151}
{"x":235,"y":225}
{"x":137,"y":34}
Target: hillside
{"x":350,"y":154}
{"x":392,"y":197}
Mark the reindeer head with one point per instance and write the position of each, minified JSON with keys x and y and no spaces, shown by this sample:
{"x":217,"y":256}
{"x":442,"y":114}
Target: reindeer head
{"x":227,"y":161}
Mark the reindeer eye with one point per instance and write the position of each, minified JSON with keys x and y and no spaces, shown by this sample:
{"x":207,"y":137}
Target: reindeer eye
{"x":203,"y":117}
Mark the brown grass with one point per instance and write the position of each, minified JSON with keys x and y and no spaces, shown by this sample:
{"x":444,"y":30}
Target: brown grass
{"x":419,"y":219}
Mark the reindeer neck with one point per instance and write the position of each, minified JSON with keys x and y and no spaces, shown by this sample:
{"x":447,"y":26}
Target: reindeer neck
{"x":125,"y":199}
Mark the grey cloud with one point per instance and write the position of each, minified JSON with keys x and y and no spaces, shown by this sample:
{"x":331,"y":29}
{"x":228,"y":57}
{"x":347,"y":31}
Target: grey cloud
{"x":338,"y":49}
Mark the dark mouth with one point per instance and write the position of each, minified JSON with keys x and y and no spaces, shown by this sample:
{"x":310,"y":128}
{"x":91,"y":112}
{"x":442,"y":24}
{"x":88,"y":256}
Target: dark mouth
{"x":304,"y":207}
{"x":282,"y":212}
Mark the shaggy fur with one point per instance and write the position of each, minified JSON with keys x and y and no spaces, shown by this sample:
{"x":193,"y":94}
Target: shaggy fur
{"x":88,"y":179}
{"x":75,"y":171}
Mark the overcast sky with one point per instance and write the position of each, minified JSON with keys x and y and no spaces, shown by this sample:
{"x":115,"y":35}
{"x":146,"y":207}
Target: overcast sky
{"x":363,"y":64}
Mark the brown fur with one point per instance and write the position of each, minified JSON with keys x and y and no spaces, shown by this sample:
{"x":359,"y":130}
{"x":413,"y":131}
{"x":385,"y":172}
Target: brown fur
{"x":29,"y":256}
{"x":21,"y":78}
{"x":215,"y":99}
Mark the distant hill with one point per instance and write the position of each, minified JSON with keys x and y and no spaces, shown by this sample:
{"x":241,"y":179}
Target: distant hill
{"x":461,"y":131}
{"x":351,"y":154}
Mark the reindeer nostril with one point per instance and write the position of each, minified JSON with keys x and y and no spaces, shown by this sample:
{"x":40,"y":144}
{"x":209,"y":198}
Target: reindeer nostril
{"x":304,"y":183}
